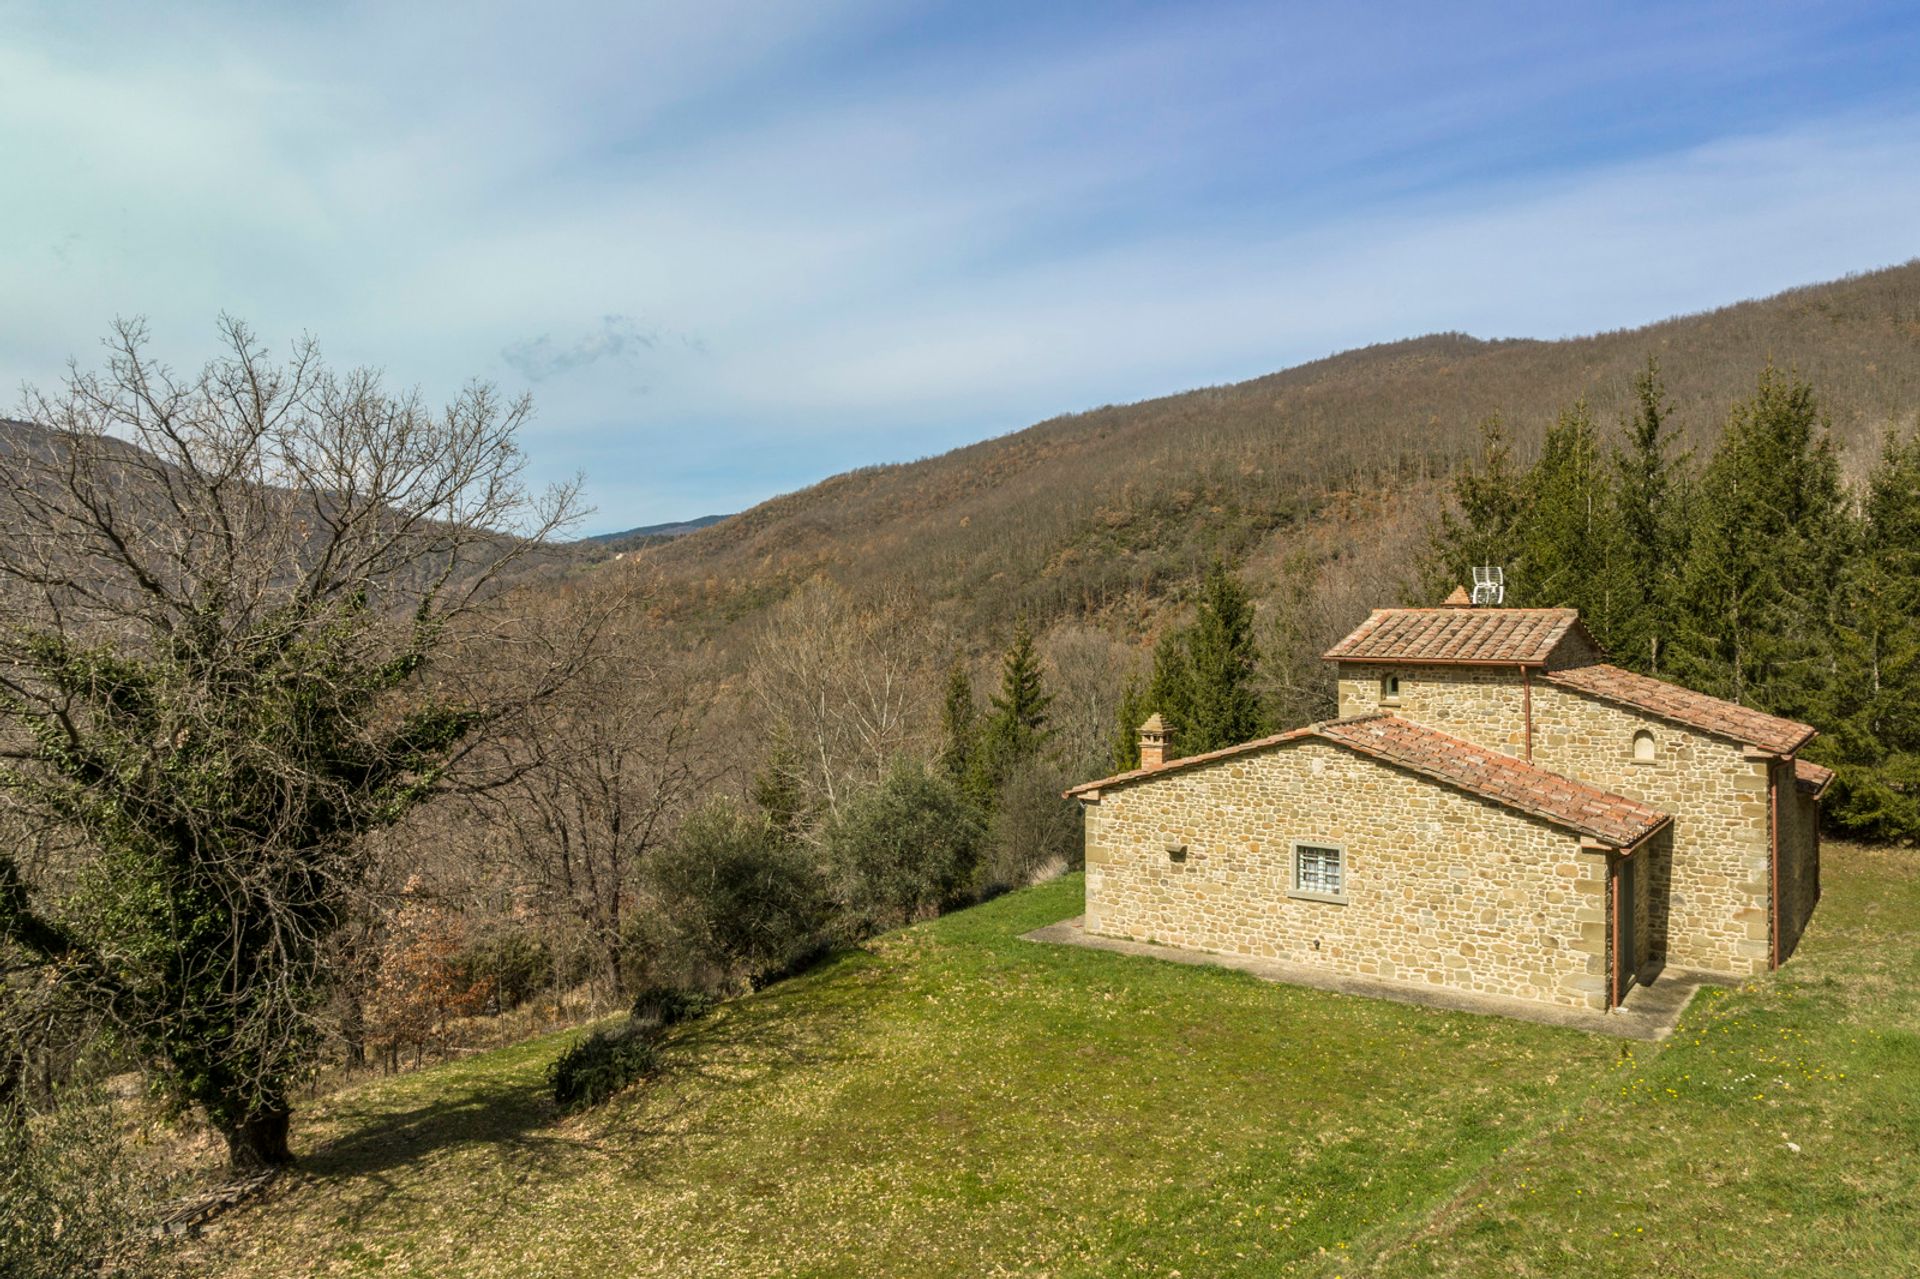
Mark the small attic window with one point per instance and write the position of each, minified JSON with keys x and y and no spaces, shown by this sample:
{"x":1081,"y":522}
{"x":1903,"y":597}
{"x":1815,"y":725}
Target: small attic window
{"x":1389,"y":690}
{"x":1643,"y":751}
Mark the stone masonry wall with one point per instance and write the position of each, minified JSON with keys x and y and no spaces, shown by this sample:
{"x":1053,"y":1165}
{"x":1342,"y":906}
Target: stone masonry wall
{"x":1650,"y":866}
{"x":1442,"y":888}
{"x":1714,"y":889}
{"x":1799,"y":861}
{"x":1711,"y":894}
{"x":1482,"y":704}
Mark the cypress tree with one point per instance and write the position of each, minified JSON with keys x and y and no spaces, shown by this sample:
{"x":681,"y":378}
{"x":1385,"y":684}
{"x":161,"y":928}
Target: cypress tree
{"x":1649,"y":497}
{"x":1871,"y":718}
{"x":1755,"y":622}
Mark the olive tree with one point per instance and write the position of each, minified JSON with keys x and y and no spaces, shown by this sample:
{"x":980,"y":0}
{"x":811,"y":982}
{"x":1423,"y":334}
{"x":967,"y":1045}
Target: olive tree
{"x":236,"y":613}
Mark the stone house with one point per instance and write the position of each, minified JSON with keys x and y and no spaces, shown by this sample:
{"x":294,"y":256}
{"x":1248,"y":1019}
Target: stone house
{"x":1497,"y":810}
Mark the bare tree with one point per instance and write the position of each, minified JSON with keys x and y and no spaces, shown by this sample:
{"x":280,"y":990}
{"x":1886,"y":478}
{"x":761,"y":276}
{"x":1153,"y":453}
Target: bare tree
{"x":844,"y":687}
{"x":1090,"y":668}
{"x":232,"y":599}
{"x":604,"y":774}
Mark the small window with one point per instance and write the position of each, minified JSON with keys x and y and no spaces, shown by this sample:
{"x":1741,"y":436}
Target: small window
{"x":1643,"y":747}
{"x":1319,"y":872}
{"x":1390,"y":690}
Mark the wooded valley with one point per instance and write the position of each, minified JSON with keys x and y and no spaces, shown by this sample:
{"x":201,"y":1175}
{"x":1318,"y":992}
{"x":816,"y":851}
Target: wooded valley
{"x":327,"y":754}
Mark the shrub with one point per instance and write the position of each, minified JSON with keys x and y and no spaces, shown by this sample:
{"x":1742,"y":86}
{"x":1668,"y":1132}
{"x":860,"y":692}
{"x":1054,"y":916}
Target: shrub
{"x":736,"y":903}
{"x":664,"y":1006}
{"x":905,"y":850}
{"x":602,"y":1064}
{"x":71,"y":1195}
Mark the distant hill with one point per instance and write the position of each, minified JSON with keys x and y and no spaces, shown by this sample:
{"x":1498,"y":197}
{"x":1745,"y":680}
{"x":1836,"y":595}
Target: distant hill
{"x":653,"y":531}
{"x":1340,"y":461}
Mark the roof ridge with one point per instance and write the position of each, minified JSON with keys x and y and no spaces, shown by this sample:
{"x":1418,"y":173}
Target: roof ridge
{"x":1499,"y":778}
{"x":1459,"y":636}
{"x":1620,"y":819}
{"x":1682,"y":705}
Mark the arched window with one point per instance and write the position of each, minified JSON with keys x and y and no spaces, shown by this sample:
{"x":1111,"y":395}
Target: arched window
{"x":1389,"y":689}
{"x":1643,"y":747}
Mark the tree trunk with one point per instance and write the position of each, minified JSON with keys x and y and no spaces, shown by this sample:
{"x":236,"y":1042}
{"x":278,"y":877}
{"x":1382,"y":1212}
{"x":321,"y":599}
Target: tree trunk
{"x":260,"y":1140}
{"x":353,"y":1030}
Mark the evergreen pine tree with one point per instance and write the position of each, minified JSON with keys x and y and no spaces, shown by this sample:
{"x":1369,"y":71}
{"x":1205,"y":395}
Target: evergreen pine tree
{"x":960,"y":725}
{"x":1649,"y":497}
{"x":1016,"y":729}
{"x":777,"y":792}
{"x":1170,"y":687}
{"x":1222,"y":706}
{"x":1132,"y":714}
{"x":1491,"y":502}
{"x":1755,"y":621}
{"x":1569,"y":543}
{"x":1871,"y":718}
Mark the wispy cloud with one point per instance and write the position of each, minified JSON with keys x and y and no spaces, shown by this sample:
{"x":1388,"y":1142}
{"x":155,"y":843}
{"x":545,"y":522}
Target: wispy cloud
{"x":895,"y":229}
{"x":617,"y":340}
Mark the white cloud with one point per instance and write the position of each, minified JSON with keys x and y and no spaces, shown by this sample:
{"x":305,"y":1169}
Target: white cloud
{"x":885,"y":245}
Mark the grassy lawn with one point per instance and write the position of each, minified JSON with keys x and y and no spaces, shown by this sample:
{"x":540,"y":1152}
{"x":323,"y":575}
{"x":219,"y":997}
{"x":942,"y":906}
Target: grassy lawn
{"x":957,"y":1102}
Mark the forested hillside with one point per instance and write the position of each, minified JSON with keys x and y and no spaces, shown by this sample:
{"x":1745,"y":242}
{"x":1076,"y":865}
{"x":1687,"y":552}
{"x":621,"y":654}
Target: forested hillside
{"x":1095,"y":512}
{"x":290,"y":669}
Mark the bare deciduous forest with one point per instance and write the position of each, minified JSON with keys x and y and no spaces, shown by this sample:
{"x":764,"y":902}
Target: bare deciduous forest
{"x":824,"y":703}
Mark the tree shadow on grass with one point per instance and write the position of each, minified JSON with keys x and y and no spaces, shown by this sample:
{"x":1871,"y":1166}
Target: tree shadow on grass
{"x":509,"y":1112}
{"x":511,"y":1115}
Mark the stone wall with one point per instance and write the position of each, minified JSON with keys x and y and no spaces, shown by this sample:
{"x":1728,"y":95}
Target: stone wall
{"x":1482,"y":704}
{"x":1714,"y":889}
{"x":1442,"y":888}
{"x":1799,"y":861}
{"x":1710,"y":894}
{"x":1649,"y":865}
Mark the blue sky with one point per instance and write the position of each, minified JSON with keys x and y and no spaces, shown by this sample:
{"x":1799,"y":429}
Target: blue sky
{"x":734,"y":247}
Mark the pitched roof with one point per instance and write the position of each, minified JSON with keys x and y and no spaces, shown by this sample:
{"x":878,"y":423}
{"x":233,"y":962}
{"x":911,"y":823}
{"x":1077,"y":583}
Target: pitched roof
{"x":1684,"y":706}
{"x":1811,"y":777}
{"x":1506,"y":636}
{"x":1188,"y":761}
{"x":1512,"y":783}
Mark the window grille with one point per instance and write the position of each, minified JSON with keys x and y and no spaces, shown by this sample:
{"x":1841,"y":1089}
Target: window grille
{"x":1317,"y":869}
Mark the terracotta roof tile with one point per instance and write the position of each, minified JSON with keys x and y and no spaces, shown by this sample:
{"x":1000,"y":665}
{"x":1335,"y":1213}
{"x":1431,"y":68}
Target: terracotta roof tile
{"x":1188,"y":761}
{"x":1811,"y":777}
{"x":1509,"y":636}
{"x":1684,"y":706}
{"x":1512,"y":783}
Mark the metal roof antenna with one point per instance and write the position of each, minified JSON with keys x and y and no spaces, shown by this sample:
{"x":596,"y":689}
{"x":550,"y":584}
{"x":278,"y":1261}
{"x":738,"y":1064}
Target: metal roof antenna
{"x":1489,"y":585}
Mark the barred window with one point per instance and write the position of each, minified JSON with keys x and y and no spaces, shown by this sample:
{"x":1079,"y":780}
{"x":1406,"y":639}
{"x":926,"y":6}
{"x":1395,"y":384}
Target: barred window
{"x":1319,"y":870}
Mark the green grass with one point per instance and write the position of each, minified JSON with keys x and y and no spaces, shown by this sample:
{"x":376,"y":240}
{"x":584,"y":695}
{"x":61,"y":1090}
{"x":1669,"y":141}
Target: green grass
{"x":957,"y":1102}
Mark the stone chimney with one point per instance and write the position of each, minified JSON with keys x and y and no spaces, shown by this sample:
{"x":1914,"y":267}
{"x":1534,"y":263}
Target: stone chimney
{"x":1155,"y":738}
